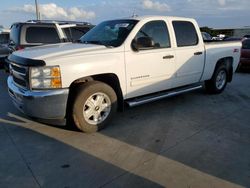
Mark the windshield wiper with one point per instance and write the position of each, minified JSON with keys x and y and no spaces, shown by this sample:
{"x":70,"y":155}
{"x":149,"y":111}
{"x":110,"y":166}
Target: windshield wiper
{"x":96,"y":42}
{"x":92,"y":42}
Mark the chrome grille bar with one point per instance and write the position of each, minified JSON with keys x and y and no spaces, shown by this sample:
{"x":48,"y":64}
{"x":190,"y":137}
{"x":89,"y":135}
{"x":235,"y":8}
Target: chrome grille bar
{"x":20,"y":75}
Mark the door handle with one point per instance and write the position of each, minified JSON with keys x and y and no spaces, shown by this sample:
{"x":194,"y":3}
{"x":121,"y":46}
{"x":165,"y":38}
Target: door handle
{"x":168,"y":57}
{"x":198,"y":53}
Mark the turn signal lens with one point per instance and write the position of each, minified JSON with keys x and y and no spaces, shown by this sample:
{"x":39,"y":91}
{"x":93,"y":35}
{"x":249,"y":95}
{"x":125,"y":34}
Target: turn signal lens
{"x":56,"y":83}
{"x":55,"y":72}
{"x":47,"y":77}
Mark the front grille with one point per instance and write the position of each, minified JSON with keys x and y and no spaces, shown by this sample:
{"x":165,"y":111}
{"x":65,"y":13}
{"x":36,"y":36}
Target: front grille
{"x":20,"y":75}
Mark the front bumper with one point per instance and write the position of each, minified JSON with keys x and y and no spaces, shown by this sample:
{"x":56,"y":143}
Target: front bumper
{"x":45,"y":105}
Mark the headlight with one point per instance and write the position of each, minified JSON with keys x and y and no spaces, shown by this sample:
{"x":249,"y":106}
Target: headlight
{"x":45,"y":77}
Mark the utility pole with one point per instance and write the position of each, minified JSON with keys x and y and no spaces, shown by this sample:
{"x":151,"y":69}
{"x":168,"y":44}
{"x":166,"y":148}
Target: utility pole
{"x":37,"y":11}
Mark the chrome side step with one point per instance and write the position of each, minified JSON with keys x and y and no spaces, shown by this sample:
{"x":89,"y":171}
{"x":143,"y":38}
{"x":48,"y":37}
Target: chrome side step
{"x":158,"y":96}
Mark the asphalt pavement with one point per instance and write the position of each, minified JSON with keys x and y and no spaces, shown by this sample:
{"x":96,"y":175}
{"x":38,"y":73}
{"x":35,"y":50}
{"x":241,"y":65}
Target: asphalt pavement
{"x":191,"y":140}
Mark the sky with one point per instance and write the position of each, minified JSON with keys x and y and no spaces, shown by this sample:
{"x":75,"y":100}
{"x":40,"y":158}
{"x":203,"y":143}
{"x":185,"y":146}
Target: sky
{"x":211,"y":13}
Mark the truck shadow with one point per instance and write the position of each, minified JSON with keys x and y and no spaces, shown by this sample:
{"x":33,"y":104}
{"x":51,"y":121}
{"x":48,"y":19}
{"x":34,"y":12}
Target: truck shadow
{"x":54,"y":163}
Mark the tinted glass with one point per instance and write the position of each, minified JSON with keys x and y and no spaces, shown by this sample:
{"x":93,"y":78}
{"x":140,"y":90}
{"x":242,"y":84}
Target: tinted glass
{"x":67,"y":33}
{"x":246,"y":44}
{"x":15,"y":33}
{"x":109,"y":33}
{"x":157,"y":31}
{"x":185,"y":33}
{"x":4,"y":38}
{"x":75,"y":33}
{"x":206,"y":36}
{"x":45,"y":35}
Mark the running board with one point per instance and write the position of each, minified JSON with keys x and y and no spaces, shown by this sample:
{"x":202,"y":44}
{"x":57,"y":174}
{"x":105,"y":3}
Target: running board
{"x":159,"y":96}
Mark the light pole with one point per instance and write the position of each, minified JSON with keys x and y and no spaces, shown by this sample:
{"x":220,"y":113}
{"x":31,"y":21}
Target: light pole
{"x":37,"y":11}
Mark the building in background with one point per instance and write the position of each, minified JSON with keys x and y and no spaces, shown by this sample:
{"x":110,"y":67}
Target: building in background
{"x":234,"y":32}
{"x":229,"y":32}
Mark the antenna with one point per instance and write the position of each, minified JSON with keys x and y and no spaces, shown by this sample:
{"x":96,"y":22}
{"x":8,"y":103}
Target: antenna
{"x":134,"y":15}
{"x":37,"y":10}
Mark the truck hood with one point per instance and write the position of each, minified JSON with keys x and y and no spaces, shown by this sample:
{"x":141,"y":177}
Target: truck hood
{"x":58,"y":50}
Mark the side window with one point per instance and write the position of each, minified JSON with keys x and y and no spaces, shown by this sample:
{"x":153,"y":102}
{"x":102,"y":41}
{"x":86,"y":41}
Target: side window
{"x":45,"y":35}
{"x":157,"y":31}
{"x":15,"y":33}
{"x":185,"y":33}
{"x":75,"y":33}
{"x":78,"y":32}
{"x":67,"y":33}
{"x":246,"y":44}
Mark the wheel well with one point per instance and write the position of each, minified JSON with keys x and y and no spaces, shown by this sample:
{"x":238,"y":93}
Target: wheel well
{"x":110,"y":79}
{"x":228,"y":62}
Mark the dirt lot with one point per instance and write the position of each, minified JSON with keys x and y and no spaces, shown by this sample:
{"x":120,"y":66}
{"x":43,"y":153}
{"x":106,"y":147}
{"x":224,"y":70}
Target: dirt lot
{"x":192,"y":140}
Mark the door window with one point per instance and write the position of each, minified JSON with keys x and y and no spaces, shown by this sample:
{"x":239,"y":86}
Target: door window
{"x":185,"y":33}
{"x":157,"y":31}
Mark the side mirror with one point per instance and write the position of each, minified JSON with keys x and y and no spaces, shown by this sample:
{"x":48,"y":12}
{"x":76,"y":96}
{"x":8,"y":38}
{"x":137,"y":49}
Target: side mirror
{"x":134,"y":45}
{"x":142,"y":43}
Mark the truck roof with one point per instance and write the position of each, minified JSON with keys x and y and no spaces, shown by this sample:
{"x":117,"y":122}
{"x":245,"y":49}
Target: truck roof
{"x":159,"y":17}
{"x":53,"y":22}
{"x":155,"y":17}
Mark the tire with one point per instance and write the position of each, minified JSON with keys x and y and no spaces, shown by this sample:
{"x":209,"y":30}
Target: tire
{"x":218,"y":81}
{"x":94,"y":105}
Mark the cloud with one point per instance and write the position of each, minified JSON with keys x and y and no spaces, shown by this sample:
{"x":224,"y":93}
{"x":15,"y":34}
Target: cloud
{"x":215,"y":6}
{"x":155,"y":5}
{"x":53,"y":11}
{"x":222,"y":2}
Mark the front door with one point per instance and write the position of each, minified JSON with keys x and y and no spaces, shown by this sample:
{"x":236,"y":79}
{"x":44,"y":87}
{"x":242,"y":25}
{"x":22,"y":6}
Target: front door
{"x":150,"y":69}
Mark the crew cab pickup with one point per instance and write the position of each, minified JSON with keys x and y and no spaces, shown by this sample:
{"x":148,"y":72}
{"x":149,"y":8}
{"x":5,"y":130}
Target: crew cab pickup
{"x":124,"y":61}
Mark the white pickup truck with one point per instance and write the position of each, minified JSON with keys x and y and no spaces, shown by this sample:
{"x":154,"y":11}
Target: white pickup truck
{"x":125,"y":61}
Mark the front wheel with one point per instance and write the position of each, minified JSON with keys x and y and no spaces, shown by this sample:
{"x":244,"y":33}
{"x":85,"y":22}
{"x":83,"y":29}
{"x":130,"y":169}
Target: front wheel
{"x":218,"y":82}
{"x":94,"y":105}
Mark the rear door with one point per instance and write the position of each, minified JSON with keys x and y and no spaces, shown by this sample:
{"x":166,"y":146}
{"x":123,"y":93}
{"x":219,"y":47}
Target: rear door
{"x":190,"y":53}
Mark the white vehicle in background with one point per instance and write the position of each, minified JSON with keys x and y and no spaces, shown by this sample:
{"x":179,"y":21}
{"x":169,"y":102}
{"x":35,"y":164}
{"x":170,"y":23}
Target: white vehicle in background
{"x":219,"y":37}
{"x":124,"y":61}
{"x":206,"y":36}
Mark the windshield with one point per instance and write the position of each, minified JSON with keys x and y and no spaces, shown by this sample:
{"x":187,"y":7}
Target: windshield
{"x":109,"y":33}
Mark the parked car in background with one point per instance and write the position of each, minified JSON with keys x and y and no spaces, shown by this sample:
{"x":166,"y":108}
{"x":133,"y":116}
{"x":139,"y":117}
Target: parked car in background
{"x":245,"y":55}
{"x":206,"y":36}
{"x":4,"y":36}
{"x":35,"y":33}
{"x":247,"y":36}
{"x":219,"y":37}
{"x":4,"y":40}
{"x":232,"y":39}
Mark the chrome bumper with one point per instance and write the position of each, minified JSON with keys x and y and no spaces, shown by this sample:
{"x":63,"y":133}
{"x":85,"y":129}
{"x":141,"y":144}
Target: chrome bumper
{"x":44,"y":105}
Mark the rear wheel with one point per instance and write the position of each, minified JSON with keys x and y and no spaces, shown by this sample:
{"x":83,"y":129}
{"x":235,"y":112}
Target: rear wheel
{"x":219,"y":80}
{"x":94,"y":105}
